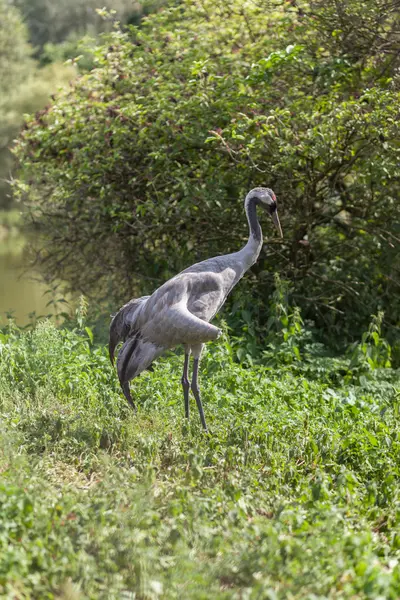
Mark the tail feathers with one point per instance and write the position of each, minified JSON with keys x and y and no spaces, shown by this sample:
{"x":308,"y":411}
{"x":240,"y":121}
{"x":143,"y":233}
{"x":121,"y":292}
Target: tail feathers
{"x":135,"y":356}
{"x":122,"y":324}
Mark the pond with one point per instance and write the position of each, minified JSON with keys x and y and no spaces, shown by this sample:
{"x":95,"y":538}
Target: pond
{"x":21,"y":293}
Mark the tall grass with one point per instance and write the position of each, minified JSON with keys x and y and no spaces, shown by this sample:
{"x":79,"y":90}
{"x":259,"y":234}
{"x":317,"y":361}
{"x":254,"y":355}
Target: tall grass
{"x":294,"y":495}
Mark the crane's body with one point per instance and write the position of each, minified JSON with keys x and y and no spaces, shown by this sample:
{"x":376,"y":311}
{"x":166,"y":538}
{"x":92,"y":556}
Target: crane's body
{"x":179,"y":312}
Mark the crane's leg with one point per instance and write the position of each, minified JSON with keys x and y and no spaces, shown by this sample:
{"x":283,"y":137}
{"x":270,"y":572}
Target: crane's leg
{"x":185,"y":381}
{"x":196,"y":350}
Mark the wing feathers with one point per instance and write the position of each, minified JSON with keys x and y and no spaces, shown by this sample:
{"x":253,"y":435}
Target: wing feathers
{"x":177,"y":325}
{"x":135,"y":356}
{"x":122,"y":323}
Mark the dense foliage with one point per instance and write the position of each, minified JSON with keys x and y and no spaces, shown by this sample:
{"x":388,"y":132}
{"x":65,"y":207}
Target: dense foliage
{"x":295,"y":494}
{"x":142,"y":166}
{"x":15,"y":67}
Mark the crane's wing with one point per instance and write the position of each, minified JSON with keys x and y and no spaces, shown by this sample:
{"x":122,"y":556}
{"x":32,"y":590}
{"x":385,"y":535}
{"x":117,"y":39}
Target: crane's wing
{"x":175,"y":324}
{"x":122,"y":323}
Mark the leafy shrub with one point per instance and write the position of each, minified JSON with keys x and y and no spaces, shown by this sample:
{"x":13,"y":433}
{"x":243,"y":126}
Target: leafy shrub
{"x":283,"y":339}
{"x":284,"y":327}
{"x":373,"y":352}
{"x":150,"y":155}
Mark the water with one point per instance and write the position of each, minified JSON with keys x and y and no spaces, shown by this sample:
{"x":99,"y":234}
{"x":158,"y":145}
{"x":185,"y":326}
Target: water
{"x":20,"y":292}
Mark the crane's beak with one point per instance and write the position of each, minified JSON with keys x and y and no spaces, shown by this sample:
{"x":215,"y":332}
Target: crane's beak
{"x":276,"y":222}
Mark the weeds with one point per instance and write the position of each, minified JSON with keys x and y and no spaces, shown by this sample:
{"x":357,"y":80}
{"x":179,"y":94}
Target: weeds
{"x":373,"y":352}
{"x":295,"y":494}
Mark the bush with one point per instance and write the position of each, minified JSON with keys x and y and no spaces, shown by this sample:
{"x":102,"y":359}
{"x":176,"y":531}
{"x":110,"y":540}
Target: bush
{"x":150,"y":155}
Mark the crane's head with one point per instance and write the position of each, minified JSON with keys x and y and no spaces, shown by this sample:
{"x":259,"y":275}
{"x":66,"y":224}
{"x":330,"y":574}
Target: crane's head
{"x":266,"y":198}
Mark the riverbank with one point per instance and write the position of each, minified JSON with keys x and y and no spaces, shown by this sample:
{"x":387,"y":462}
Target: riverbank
{"x":22,"y":292}
{"x":10,"y":225}
{"x":295,"y":494}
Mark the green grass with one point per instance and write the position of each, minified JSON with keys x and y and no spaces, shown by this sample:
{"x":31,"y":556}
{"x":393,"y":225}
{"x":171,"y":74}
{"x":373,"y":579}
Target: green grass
{"x":294,"y":495}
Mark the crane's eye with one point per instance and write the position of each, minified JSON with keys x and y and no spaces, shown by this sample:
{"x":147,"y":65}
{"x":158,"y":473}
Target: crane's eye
{"x":272,"y":207}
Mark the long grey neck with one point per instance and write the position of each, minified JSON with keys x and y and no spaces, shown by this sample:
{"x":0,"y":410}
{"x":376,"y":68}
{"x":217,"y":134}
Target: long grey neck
{"x":250,"y":206}
{"x":247,"y":256}
{"x":239,"y":262}
{"x":249,"y":253}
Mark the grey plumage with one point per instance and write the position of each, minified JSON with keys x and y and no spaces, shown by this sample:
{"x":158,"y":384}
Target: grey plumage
{"x":179,"y":311}
{"x":121,"y":324}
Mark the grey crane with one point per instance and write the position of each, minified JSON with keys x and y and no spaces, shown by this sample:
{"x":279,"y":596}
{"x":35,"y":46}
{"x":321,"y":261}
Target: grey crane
{"x":179,"y":311}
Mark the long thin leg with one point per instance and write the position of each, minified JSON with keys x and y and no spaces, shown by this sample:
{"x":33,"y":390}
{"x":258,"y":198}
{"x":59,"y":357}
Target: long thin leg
{"x":196,"y":392}
{"x":185,"y":383}
{"x":127,"y":393}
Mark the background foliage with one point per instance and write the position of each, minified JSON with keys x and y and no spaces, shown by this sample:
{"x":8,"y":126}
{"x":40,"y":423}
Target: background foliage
{"x":22,"y":88}
{"x":56,"y":28}
{"x":37,"y":33}
{"x":149,"y":156}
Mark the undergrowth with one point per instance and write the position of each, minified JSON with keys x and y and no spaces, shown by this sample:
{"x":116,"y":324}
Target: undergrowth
{"x":294,"y":494}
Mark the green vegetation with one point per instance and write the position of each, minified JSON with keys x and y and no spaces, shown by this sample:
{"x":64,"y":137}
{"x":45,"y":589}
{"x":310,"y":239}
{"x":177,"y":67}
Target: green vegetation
{"x":147,"y":156}
{"x":60,"y":31}
{"x":295,"y":494}
{"x":23,"y":87}
{"x":150,"y":154}
{"x":55,"y":23}
{"x":36,"y":38}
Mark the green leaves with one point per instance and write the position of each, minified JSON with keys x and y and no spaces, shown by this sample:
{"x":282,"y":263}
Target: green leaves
{"x":266,"y":68}
{"x":149,"y":156}
{"x":297,"y":483}
{"x":374,"y":351}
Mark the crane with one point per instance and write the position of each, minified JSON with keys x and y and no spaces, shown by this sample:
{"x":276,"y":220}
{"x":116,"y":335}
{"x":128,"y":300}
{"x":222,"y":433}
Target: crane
{"x":180,"y":311}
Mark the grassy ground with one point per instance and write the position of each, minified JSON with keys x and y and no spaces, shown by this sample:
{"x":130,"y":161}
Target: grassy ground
{"x":295,"y":494}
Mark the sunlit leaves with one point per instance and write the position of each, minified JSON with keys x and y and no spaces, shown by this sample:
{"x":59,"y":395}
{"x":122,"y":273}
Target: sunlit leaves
{"x":150,"y":155}
{"x":298,"y":483}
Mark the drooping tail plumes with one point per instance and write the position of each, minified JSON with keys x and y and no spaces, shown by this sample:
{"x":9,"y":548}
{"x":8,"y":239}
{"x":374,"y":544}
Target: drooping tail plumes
{"x":135,"y":356}
{"x":122,"y":323}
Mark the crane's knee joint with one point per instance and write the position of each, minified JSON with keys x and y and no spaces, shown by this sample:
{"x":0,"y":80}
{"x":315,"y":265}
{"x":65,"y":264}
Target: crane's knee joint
{"x":195,"y":388}
{"x":185,"y":383}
